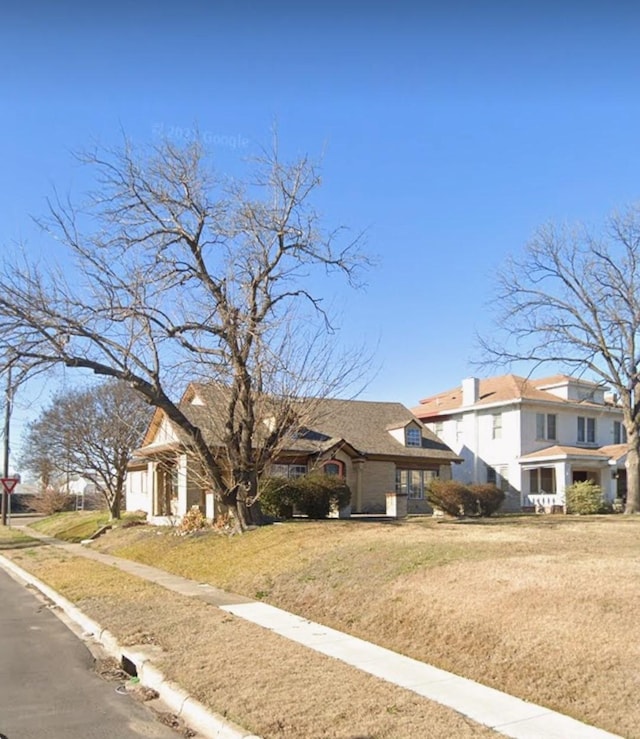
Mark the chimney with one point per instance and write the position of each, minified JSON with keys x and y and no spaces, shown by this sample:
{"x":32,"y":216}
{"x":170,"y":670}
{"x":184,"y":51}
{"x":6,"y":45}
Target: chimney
{"x":470,"y":390}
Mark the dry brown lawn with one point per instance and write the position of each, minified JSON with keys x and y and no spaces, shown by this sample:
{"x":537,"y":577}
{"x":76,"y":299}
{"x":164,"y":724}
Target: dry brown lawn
{"x":263,"y":682}
{"x":545,"y":608}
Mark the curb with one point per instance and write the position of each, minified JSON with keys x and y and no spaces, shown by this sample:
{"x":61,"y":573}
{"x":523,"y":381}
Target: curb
{"x":195,"y":714}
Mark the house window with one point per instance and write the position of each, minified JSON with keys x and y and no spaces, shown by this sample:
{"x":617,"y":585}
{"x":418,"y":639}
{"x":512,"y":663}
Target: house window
{"x":459,"y":430}
{"x":498,"y":476}
{"x":413,"y":436}
{"x":288,"y":470}
{"x":414,"y":482}
{"x":546,"y":426}
{"x":438,"y":428}
{"x":619,"y":433}
{"x":542,"y":480}
{"x":496,"y":426}
{"x":333,"y":468}
{"x":586,"y":430}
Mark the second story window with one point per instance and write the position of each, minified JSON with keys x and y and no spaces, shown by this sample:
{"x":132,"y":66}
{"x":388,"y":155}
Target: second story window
{"x":586,"y":430}
{"x":619,"y":433}
{"x":546,"y":426}
{"x":496,"y":426}
{"x":413,"y":436}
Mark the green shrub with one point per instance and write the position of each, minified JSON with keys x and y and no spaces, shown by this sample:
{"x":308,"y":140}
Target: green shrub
{"x":488,"y":498}
{"x":319,"y":494}
{"x":314,"y":495}
{"x":584,"y":498}
{"x":277,"y":496}
{"x":451,"y":497}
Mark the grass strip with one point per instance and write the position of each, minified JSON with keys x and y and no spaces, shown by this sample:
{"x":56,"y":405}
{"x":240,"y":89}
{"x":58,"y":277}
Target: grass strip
{"x":261,"y":681}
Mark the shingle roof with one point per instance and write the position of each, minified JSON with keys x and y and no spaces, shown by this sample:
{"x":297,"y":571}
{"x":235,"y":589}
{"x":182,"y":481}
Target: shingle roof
{"x":500,"y":389}
{"x":363,"y":425}
{"x":366,"y":425}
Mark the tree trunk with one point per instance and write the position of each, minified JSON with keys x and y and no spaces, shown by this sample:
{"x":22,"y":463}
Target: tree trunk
{"x":116,"y":505}
{"x":633,"y":473}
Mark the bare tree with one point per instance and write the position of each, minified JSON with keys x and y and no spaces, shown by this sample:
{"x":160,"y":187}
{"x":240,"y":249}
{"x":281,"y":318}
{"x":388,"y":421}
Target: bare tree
{"x":173,"y":274}
{"x":573,"y":299}
{"x":91,"y":433}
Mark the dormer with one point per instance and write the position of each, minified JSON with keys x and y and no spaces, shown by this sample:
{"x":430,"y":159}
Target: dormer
{"x":572,"y":389}
{"x":409,"y":435}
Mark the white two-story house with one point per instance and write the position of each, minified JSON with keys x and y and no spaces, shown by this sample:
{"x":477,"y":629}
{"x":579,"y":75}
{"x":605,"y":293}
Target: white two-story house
{"x":533,"y":438}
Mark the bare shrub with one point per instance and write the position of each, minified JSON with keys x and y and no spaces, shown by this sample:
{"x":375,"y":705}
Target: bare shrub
{"x":193,"y":520}
{"x":51,"y":501}
{"x":488,"y":498}
{"x":451,"y":497}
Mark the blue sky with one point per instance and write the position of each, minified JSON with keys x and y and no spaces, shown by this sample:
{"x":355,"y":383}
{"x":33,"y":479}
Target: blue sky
{"x":448,"y":132}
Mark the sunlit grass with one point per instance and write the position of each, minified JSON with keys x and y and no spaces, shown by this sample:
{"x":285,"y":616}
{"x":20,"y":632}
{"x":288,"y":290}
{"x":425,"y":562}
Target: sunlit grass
{"x":75,"y":526}
{"x":541,"y":607}
{"x":11,"y":538}
{"x":270,"y":686}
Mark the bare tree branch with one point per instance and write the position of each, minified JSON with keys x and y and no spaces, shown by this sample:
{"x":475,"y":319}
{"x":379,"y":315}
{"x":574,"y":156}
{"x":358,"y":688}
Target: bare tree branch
{"x":172,"y":274}
{"x":573,"y":299}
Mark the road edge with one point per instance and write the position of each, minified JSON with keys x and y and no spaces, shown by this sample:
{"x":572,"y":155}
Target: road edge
{"x":196,"y":715}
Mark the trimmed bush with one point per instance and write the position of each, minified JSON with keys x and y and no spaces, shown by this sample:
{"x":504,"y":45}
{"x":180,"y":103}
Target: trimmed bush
{"x":488,"y":498}
{"x":315,"y":495}
{"x":319,"y":493}
{"x":451,"y":497}
{"x":277,"y":496}
{"x":584,"y":498}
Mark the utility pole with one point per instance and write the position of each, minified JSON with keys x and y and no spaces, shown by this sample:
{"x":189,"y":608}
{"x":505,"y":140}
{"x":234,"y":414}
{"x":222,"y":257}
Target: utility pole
{"x":7,"y":423}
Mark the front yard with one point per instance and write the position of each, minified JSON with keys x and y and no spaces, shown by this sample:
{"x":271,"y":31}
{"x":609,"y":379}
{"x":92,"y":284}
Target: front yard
{"x":545,"y":608}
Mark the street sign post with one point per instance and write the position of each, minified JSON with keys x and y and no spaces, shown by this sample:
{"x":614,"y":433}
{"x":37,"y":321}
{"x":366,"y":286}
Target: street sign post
{"x":8,"y":485}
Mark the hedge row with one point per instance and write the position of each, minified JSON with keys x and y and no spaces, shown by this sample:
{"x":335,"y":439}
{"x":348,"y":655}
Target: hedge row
{"x":314,"y":495}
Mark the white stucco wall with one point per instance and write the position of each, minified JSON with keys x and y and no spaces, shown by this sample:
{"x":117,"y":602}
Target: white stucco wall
{"x":470,"y":434}
{"x":137,"y":491}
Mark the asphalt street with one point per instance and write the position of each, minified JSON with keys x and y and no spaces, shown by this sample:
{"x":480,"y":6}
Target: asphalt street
{"x":48,"y":689}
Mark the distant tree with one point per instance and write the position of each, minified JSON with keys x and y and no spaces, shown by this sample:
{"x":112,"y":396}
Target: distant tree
{"x":573,"y":299}
{"x":90,"y":433}
{"x":174,"y":274}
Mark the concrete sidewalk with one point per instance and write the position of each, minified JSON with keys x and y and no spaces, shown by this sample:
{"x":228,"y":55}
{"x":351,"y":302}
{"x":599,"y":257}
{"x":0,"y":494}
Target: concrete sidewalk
{"x":504,"y":713}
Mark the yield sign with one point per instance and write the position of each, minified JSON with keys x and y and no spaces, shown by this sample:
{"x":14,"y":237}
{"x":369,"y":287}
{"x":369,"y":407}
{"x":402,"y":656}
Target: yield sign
{"x":8,"y":483}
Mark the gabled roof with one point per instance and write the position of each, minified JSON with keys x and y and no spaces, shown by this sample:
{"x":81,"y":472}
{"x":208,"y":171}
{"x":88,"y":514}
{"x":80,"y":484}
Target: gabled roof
{"x":495,"y":390}
{"x":365,"y":426}
{"x":361,"y":426}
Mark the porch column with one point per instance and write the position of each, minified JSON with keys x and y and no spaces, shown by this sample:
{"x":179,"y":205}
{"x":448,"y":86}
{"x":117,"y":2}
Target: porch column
{"x":357,"y":465}
{"x":152,"y":488}
{"x":182,"y":485}
{"x":568,"y":480}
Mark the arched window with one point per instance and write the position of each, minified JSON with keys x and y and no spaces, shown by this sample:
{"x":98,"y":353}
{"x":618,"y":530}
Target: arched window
{"x":333,"y":468}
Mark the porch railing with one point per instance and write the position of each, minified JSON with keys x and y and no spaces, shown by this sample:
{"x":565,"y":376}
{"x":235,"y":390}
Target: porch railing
{"x":544,"y":501}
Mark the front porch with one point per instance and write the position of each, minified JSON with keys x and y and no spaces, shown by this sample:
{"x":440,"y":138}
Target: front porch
{"x":547,"y":474}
